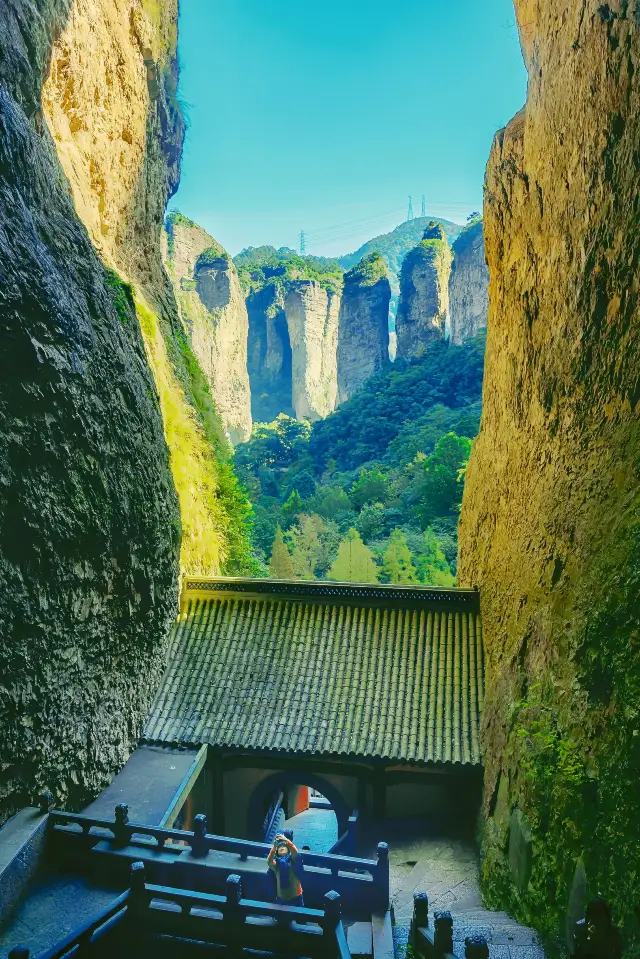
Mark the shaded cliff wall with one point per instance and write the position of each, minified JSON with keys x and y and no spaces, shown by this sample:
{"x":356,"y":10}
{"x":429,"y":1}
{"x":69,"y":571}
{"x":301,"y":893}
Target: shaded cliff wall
{"x":269,"y":355}
{"x":363,"y":326}
{"x":424,"y":293}
{"x":312,"y":318}
{"x":214,"y":316}
{"x":550,"y":528}
{"x":468,"y":285}
{"x":89,"y":522}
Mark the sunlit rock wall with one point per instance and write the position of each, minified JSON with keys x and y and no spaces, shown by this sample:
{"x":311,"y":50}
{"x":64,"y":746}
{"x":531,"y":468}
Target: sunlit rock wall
{"x":312,"y":318}
{"x":363,"y":328}
{"x":468,"y":285}
{"x":424,"y":293}
{"x":550,"y":526}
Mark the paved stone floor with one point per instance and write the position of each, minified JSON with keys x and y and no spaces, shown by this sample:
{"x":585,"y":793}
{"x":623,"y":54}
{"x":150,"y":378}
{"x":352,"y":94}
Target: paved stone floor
{"x":317,"y":828}
{"x":56,"y":904}
{"x":447,"y":870}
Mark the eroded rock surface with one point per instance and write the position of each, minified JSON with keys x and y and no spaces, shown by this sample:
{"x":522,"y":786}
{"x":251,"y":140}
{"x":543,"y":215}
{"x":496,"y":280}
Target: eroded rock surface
{"x":312,"y":318}
{"x":424,"y":293}
{"x":363,"y":329}
{"x":89,"y":522}
{"x":214,"y":314}
{"x":468,"y":285}
{"x":550,"y":526}
{"x":269,"y":359}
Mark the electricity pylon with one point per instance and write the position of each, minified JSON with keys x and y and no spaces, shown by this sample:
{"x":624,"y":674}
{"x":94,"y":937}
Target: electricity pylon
{"x":410,"y":210}
{"x":424,"y":205}
{"x":303,"y":243}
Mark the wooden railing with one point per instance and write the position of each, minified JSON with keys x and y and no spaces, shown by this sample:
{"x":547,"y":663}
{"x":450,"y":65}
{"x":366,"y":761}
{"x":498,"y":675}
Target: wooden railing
{"x":358,"y":880}
{"x":147,"y":911}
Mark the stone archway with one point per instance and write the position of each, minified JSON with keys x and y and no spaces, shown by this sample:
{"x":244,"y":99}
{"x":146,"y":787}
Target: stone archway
{"x":282,"y":780}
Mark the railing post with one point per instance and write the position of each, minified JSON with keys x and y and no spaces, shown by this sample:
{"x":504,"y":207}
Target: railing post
{"x":382,"y":875}
{"x":46,"y":801}
{"x":233,"y":895}
{"x":443,"y":935}
{"x":420,"y":918}
{"x":120,"y":831}
{"x":199,"y":842}
{"x":138,"y":893}
{"x":475,"y":947}
{"x":332,"y":911}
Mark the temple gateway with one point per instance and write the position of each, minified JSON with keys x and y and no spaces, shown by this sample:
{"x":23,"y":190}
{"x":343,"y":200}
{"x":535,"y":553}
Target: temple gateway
{"x":369,"y":695}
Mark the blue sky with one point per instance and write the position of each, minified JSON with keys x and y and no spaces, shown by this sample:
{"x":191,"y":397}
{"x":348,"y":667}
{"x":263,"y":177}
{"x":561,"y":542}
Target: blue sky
{"x":326,"y":115}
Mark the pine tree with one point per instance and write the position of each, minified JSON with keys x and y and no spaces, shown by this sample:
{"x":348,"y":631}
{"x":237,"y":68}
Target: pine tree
{"x":280,"y":564}
{"x":354,"y":562}
{"x":398,"y":562}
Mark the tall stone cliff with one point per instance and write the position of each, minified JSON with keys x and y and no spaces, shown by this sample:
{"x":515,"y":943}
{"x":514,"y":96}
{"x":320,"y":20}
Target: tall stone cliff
{"x":468,"y":285}
{"x":550,"y":525}
{"x":424,"y":293}
{"x":270,"y":358}
{"x":105,"y":414}
{"x":363,"y":326}
{"x":312,"y":319}
{"x":89,"y":516}
{"x":214,"y":315}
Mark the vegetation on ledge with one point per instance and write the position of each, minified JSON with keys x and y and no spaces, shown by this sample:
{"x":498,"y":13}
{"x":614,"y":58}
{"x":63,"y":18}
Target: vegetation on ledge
{"x":262,"y":266}
{"x":369,"y":271}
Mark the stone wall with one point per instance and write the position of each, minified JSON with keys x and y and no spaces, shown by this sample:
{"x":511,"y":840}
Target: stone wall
{"x":468,"y":285}
{"x":89,"y":520}
{"x":550,"y":525}
{"x":269,"y":359}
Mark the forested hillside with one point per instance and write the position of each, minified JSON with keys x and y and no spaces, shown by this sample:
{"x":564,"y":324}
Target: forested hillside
{"x":372,"y":492}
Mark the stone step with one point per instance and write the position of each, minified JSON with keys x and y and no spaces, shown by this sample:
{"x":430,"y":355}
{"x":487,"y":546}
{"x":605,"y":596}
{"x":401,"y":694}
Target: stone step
{"x":360,"y":939}
{"x":382,"y":936}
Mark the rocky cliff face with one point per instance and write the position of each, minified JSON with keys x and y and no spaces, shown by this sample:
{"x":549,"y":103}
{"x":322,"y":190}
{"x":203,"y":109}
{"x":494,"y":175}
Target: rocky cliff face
{"x":553,"y":537}
{"x":269,"y":359}
{"x":89,"y":520}
{"x":312,"y":319}
{"x":213,"y":312}
{"x":363,"y":328}
{"x":424,"y":293}
{"x":468,"y":285}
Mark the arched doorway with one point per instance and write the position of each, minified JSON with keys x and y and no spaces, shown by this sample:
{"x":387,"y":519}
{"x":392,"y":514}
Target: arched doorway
{"x":300,"y":810}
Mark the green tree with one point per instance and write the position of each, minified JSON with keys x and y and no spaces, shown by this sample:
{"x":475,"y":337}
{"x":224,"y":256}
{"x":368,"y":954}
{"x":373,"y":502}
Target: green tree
{"x":354,"y":562}
{"x":370,"y":521}
{"x":292,"y":507}
{"x":306,"y":545}
{"x":439,"y":490}
{"x":280,"y":564}
{"x":371,"y":487}
{"x":431,"y":563}
{"x":398,"y":562}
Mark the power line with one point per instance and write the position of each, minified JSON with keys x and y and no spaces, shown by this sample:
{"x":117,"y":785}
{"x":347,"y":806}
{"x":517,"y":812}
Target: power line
{"x":348,"y":223}
{"x":410,"y":215}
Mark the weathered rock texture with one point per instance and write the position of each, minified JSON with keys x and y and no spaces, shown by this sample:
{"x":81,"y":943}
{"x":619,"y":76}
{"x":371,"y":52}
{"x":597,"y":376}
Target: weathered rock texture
{"x":269,"y":359}
{"x":468,"y":285}
{"x":363,"y":327}
{"x":312,"y":318}
{"x":424,"y":293}
{"x":89,"y":523}
{"x":550,"y":527}
{"x":214,"y":315}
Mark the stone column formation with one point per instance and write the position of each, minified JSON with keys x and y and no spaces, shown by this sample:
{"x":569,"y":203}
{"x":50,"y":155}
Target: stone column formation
{"x":312,"y":319}
{"x":214,"y":314}
{"x":424,"y":293}
{"x":363,"y":329}
{"x":468,"y":285}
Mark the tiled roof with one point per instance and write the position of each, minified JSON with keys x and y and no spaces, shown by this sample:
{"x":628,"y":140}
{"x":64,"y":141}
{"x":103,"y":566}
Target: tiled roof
{"x":369,"y":671}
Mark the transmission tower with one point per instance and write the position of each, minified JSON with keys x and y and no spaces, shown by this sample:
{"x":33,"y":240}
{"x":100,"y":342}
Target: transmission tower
{"x":424,"y":205}
{"x":410,"y":210}
{"x":303,"y":243}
